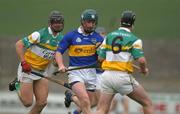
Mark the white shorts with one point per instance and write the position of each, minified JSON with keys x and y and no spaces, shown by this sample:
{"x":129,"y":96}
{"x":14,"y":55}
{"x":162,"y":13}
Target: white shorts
{"x":51,"y":69}
{"x":98,"y":81}
{"x":117,"y":82}
{"x":86,"y":76}
{"x":28,"y":78}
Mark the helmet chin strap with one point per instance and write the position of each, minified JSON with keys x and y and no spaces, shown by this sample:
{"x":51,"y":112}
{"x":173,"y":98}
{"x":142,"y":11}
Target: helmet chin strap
{"x":55,"y":31}
{"x":88,"y":31}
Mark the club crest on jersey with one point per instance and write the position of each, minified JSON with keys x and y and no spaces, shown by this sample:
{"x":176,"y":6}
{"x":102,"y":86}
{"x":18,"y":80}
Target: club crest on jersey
{"x":78,"y":39}
{"x":93,"y":40}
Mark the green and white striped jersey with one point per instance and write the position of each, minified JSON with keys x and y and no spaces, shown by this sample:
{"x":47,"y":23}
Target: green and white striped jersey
{"x":41,"y":46}
{"x":119,"y":49}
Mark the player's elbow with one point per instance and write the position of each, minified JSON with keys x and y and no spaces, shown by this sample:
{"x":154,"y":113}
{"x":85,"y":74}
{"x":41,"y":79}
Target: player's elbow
{"x":19,"y":44}
{"x":100,"y":59}
{"x":58,"y":54}
{"x":141,"y":60}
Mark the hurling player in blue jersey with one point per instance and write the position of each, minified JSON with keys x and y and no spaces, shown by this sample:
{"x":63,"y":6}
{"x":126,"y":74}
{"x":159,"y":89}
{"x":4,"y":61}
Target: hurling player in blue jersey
{"x":81,"y":44}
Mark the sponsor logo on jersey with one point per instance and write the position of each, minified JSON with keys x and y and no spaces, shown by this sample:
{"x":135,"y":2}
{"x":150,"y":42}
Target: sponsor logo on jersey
{"x":82,"y":50}
{"x":78,"y":50}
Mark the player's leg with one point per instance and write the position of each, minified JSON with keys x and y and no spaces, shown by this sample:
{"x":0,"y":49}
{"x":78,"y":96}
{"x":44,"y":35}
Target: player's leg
{"x":70,"y":97}
{"x":135,"y":91}
{"x":93,"y":100}
{"x":80,"y":91}
{"x":114,"y":103}
{"x":104,"y":103}
{"x":97,"y":92}
{"x":25,"y":92}
{"x":93,"y":93}
{"x":125,"y":104}
{"x":74,"y":98}
{"x":41,"y":94}
{"x":93,"y":86}
{"x":24,"y":87}
{"x":83,"y":81}
{"x":140,"y":95}
{"x":107,"y":93}
{"x":78,"y":110}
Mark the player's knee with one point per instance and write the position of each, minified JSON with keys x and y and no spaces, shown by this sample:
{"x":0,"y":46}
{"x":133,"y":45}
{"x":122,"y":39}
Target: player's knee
{"x":102,"y":110}
{"x":106,"y":110}
{"x":27,"y":104}
{"x":147,"y":103}
{"x":85,"y":101}
{"x":41,"y":103}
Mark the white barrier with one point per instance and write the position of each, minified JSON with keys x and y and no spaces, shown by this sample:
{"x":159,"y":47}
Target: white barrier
{"x":164,"y":103}
{"x":9,"y":103}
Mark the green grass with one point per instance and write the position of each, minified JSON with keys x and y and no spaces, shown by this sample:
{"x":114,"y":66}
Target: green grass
{"x":155,"y":18}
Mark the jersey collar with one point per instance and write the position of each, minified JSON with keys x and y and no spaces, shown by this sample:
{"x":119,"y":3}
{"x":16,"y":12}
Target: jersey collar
{"x":80,"y":30}
{"x":50,"y":31}
{"x":123,"y":28}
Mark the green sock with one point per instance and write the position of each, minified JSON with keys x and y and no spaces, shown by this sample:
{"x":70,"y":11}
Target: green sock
{"x":17,"y":86}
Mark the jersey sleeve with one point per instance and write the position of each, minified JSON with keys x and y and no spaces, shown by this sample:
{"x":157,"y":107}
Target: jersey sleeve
{"x":101,"y":51}
{"x":31,"y":39}
{"x":137,"y":50}
{"x":99,"y":41}
{"x":64,"y":43}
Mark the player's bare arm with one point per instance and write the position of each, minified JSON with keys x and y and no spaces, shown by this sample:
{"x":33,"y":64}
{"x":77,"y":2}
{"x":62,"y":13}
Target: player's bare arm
{"x":59,"y":60}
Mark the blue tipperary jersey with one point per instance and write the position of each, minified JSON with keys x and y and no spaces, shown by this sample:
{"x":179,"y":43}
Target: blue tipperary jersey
{"x":81,"y":47}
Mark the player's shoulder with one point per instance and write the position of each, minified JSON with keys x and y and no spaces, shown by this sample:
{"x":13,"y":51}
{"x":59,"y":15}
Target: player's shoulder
{"x":71,"y":33}
{"x":98,"y":36}
{"x":112,"y":34}
{"x":41,"y":31}
{"x":134,"y":36}
{"x":36,"y":34}
{"x":136,"y":40}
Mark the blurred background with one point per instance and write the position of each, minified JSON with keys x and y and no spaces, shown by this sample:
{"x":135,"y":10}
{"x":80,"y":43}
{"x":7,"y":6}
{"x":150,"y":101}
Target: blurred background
{"x":157,"y":24}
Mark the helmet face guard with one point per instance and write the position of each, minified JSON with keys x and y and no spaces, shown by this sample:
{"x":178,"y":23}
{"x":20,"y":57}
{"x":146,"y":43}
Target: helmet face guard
{"x":56,"y":21}
{"x":89,"y":20}
{"x":128,"y":18}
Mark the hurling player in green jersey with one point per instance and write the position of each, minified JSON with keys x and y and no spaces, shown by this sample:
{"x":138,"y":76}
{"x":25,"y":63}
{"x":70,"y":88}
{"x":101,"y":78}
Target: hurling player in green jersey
{"x":119,"y":50}
{"x":36,"y":52}
{"x":118,"y":97}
